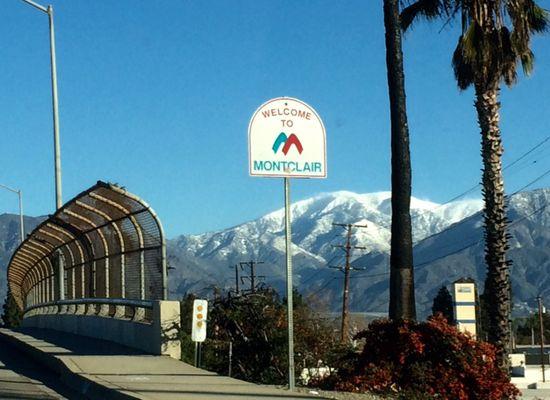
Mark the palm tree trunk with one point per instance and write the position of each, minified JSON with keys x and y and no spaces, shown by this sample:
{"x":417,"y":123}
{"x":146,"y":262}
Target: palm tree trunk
{"x":402,"y":303}
{"x":497,"y":283}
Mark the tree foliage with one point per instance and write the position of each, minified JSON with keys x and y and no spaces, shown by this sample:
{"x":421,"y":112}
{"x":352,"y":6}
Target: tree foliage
{"x":495,"y":35}
{"x":423,"y":360}
{"x":443,"y":304}
{"x":256,"y":325}
{"x":529,"y":328}
{"x":11,"y":315}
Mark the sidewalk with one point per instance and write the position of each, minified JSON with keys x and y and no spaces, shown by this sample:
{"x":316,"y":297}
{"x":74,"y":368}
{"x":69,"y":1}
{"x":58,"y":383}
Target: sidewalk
{"x":102,"y":370}
{"x":535,"y":394}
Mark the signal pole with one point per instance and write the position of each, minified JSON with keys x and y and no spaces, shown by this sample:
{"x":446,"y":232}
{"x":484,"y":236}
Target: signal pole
{"x":347,"y":269}
{"x":252,"y":265}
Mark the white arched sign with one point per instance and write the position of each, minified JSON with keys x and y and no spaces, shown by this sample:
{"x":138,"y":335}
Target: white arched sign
{"x":286,"y":138}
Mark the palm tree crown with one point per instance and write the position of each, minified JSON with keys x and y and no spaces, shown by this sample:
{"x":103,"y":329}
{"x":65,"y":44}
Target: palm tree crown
{"x":495,"y":36}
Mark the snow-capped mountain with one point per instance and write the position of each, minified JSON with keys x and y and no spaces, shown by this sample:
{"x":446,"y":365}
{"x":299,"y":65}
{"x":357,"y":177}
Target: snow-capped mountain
{"x":458,"y":251}
{"x":313,"y":231}
{"x":448,"y":246}
{"x":313,"y":235}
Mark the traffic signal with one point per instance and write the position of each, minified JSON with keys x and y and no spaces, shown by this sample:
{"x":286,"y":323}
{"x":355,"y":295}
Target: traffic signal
{"x":198,"y":330}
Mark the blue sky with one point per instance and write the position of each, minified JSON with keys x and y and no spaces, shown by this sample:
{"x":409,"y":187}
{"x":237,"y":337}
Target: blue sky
{"x":157,"y":96}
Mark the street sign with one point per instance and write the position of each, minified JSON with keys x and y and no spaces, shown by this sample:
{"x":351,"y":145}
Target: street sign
{"x":286,"y":138}
{"x":198,"y":329}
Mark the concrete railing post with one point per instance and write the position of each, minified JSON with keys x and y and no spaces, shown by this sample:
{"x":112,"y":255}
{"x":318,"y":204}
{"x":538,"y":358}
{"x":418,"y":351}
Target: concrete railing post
{"x":166,"y":325}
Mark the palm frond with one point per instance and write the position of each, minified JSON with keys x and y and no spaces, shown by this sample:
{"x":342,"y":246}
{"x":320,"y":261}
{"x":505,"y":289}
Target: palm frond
{"x":505,"y":57}
{"x":472,"y":41}
{"x":527,"y":62}
{"x":427,"y":9}
{"x":496,"y":35}
{"x":462,"y":66}
{"x":538,"y":18}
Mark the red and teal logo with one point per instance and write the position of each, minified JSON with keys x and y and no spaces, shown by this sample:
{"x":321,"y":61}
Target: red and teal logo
{"x":292,"y":164}
{"x":287,"y":143}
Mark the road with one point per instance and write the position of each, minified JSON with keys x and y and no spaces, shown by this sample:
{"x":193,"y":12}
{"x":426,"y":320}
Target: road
{"x":22,"y":378}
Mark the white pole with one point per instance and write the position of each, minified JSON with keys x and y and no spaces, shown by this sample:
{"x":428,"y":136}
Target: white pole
{"x":19,"y":193}
{"x":56,"y":145}
{"x":57,"y":148}
{"x":290,"y":319}
{"x":21,"y":223}
{"x":61,"y":275}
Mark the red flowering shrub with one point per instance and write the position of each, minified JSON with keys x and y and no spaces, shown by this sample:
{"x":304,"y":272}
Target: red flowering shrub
{"x":420,"y":360}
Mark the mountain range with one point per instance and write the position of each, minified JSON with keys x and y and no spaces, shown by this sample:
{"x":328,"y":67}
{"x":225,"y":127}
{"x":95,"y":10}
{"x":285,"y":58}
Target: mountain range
{"x":448,"y":246}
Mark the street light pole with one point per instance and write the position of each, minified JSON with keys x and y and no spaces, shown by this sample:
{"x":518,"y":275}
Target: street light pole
{"x":57,"y":148}
{"x":21,"y":226}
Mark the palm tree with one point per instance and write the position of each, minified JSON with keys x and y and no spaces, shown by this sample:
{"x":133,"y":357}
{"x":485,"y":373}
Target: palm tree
{"x":402,"y":304}
{"x":494,"y":40}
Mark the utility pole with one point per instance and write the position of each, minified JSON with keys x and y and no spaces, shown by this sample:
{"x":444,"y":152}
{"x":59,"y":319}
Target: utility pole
{"x":541,"y":326}
{"x":236,"y":266}
{"x":533,"y":331}
{"x":252,"y":277}
{"x":347,"y":269}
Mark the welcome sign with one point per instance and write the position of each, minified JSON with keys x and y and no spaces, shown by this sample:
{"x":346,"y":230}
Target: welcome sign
{"x":286,"y":138}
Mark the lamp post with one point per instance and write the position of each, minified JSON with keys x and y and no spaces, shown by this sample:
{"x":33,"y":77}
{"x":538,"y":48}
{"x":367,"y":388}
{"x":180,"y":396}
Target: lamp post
{"x":57,"y":149}
{"x":21,"y":226}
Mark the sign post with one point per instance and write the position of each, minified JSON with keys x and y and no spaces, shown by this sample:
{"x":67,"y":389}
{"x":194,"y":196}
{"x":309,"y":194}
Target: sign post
{"x":198,"y":327}
{"x":286,"y":138}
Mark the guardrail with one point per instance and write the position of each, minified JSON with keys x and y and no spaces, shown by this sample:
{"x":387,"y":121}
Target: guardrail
{"x":125,"y":309}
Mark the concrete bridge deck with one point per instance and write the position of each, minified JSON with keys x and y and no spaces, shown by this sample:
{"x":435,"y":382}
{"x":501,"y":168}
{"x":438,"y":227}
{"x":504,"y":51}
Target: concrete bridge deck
{"x":23,"y":379}
{"x":102,"y":370}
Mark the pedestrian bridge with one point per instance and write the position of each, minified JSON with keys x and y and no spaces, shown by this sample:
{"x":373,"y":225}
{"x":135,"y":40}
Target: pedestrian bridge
{"x":92,"y":277}
{"x":97,"y":267}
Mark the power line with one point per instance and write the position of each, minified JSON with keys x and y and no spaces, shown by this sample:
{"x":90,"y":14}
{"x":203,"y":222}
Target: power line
{"x":531,"y":183}
{"x":426,"y":263}
{"x":315,"y":274}
{"x":467,"y":191}
{"x":321,"y":288}
{"x":546,"y":139}
{"x":515,"y":162}
{"x":547,"y":172}
{"x":417,"y":266}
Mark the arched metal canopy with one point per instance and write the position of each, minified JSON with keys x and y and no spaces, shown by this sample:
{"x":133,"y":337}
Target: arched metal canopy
{"x":104,"y":243}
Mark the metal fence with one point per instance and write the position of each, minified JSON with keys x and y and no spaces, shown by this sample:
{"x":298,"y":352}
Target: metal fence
{"x":105,"y":243}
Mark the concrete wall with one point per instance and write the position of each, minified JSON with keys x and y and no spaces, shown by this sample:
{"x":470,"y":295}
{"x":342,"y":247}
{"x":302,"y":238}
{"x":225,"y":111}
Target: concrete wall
{"x":158,"y":337}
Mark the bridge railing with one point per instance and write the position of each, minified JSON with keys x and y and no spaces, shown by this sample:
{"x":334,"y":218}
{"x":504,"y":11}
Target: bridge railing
{"x":124,"y":309}
{"x":97,"y":267}
{"x":149,"y":325}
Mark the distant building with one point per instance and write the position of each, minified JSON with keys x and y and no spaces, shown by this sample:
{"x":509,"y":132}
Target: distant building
{"x":465,"y":296}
